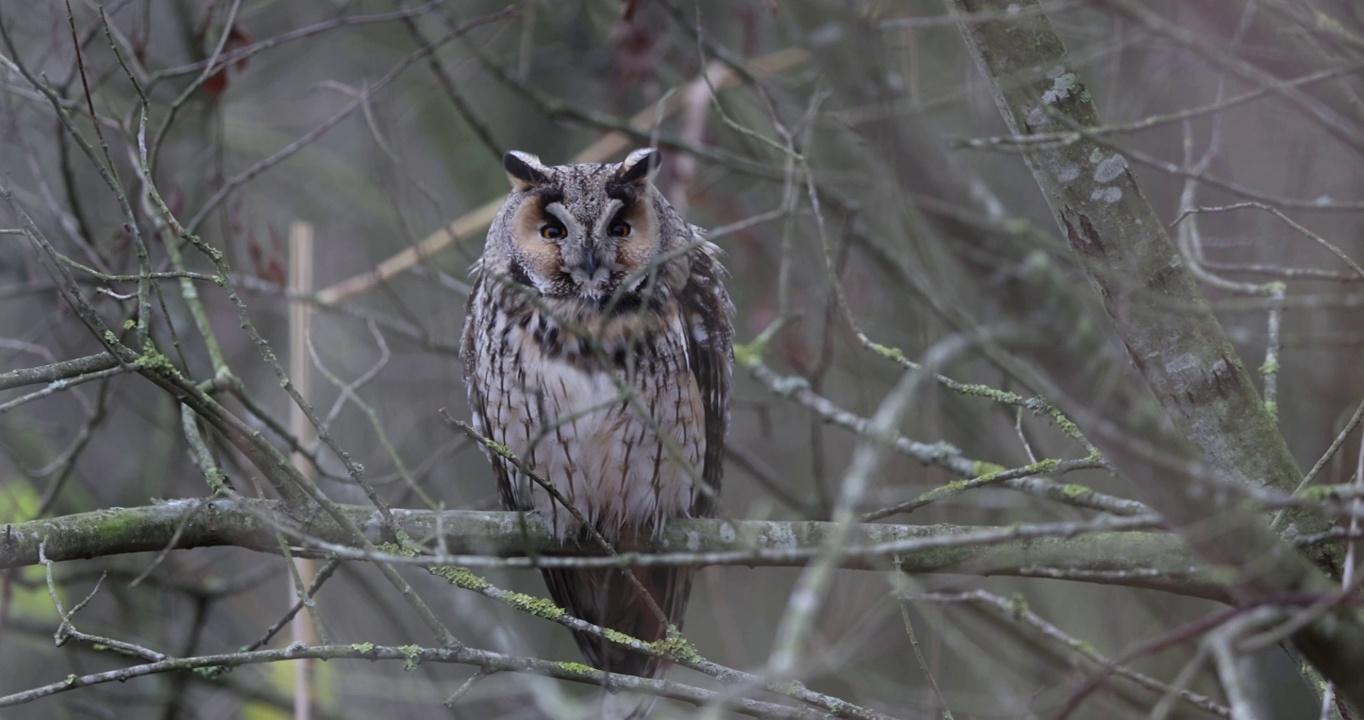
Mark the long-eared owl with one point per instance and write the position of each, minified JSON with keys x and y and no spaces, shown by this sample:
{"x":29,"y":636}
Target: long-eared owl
{"x":597,"y":349}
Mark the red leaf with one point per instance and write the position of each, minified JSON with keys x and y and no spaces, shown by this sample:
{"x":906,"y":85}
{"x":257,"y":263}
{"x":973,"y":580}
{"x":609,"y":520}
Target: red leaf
{"x":237,"y":38}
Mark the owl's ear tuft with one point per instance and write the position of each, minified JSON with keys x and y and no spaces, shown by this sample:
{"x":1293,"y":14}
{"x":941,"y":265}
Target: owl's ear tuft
{"x":524,"y":170}
{"x":639,"y":166}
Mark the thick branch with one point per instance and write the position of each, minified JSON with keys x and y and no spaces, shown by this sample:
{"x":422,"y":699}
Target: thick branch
{"x":1140,"y":559}
{"x":57,"y":371}
{"x":1184,"y":357}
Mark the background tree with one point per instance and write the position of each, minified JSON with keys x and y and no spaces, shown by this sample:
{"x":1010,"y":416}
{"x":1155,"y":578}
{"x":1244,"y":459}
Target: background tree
{"x":1088,"y":452}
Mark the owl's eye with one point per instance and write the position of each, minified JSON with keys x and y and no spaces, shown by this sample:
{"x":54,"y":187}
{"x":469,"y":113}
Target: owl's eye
{"x":619,"y":228}
{"x":552,"y":231}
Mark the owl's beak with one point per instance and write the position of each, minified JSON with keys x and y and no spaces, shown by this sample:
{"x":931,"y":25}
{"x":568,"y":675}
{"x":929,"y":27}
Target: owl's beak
{"x":585,"y":273}
{"x":590,"y":264}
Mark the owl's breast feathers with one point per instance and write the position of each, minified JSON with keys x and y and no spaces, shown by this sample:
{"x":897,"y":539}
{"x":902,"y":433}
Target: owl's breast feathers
{"x":621,"y":405}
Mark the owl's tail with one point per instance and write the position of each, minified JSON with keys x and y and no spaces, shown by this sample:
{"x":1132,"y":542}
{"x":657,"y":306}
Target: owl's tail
{"x":607,"y":598}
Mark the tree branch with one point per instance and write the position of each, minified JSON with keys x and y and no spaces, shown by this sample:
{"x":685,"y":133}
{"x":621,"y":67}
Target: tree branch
{"x":1138,"y":559}
{"x":57,"y":371}
{"x":1185,"y":358}
{"x":413,"y":655}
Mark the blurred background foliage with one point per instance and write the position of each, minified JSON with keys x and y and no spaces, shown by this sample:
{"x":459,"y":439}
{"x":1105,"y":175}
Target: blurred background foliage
{"x":928,"y":237}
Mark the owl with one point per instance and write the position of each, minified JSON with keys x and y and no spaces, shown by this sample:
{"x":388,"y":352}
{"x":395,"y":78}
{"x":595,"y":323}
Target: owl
{"x":597,"y":349}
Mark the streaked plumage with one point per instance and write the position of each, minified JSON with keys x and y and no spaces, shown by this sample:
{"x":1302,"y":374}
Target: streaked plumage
{"x":597,"y":349}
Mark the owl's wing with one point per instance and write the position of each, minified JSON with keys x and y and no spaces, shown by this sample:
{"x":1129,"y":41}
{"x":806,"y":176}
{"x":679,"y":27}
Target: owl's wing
{"x":475,"y":312}
{"x":707,"y":310}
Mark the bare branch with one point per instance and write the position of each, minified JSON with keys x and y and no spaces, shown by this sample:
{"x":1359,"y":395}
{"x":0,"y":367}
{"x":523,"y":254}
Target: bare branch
{"x":499,"y":539}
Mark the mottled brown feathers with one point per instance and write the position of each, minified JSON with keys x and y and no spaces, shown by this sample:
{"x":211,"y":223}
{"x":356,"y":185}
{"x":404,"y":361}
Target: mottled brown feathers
{"x":599,"y":352}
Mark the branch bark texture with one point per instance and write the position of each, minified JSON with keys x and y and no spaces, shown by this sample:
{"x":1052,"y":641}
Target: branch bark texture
{"x":1141,"y":559}
{"x":57,"y":371}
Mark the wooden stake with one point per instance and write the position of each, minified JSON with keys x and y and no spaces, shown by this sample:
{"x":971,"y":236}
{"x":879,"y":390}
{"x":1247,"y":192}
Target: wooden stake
{"x":300,"y":373}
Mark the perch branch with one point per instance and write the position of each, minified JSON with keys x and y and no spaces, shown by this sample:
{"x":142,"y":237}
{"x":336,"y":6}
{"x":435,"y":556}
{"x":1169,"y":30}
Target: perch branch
{"x":501,"y":538}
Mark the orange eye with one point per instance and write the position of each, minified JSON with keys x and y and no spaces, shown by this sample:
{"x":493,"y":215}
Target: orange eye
{"x":620,"y":228}
{"x":552,"y":231}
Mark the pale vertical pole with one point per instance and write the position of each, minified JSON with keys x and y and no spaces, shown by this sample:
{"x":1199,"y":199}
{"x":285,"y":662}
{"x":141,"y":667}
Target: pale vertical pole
{"x":300,"y":373}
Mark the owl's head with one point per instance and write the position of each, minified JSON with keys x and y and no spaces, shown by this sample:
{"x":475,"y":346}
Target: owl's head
{"x":586,"y":231}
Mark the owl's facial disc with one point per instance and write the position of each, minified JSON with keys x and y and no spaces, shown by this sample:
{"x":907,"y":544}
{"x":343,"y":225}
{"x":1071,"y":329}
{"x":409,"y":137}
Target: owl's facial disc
{"x":587,"y":260}
{"x":584,"y":231}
